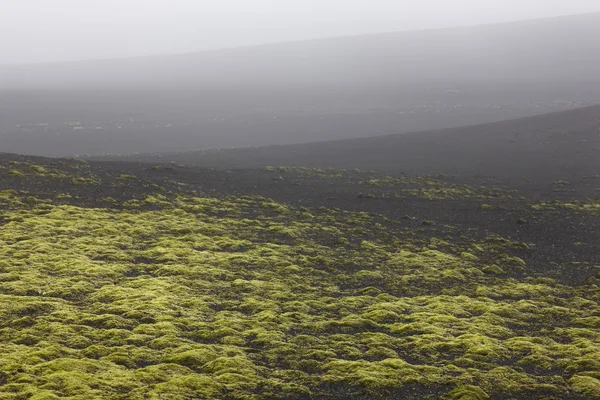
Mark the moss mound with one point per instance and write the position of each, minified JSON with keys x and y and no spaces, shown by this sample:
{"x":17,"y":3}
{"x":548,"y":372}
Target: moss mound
{"x":182,"y":297}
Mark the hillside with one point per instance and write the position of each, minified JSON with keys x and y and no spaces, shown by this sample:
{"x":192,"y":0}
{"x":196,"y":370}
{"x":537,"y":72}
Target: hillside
{"x":553,"y":145}
{"x":289,"y":93}
{"x":547,"y":50}
{"x":68,"y":123}
{"x":136,"y":281}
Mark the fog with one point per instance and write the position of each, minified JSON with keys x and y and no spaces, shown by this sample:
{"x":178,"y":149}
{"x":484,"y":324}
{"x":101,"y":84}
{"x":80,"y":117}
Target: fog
{"x":548,"y":51}
{"x":38,"y":31}
{"x":351,"y":85}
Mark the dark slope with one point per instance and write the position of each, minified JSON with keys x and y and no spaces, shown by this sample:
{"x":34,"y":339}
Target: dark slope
{"x":547,"y":146}
{"x":302,"y":92}
{"x":547,"y":50}
{"x":120,"y":122}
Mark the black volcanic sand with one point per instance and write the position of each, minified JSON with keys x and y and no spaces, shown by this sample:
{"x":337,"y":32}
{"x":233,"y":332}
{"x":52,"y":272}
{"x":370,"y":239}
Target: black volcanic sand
{"x":562,"y":145}
{"x":560,"y":240}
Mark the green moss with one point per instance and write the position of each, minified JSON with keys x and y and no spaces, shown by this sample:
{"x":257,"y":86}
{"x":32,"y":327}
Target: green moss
{"x":194,"y":359}
{"x":187,"y":297}
{"x":84,"y":181}
{"x":586,"y":385}
{"x":493,"y":269}
{"x":467,"y":392}
{"x":125,"y":177}
{"x":15,"y":172}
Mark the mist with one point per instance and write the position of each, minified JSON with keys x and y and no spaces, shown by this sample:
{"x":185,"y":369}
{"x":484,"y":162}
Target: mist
{"x":191,"y":77}
{"x":39,"y":31}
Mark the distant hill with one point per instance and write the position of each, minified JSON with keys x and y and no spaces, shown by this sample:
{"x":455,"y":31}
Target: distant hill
{"x":546,"y":50}
{"x":301,"y":92}
{"x":553,"y":145}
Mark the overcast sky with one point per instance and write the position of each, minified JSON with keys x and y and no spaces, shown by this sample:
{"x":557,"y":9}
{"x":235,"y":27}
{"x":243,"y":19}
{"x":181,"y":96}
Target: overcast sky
{"x":34,"y":31}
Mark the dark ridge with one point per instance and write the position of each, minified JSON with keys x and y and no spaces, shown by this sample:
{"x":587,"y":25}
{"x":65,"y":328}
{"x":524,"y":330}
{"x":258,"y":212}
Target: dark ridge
{"x":557,"y":144}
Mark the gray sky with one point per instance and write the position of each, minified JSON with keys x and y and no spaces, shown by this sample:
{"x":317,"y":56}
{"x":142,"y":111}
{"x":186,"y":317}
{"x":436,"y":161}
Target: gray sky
{"x":34,"y":31}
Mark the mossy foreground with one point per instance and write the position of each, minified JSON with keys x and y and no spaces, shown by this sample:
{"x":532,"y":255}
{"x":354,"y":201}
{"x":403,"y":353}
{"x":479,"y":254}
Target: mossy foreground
{"x":178,"y":297}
